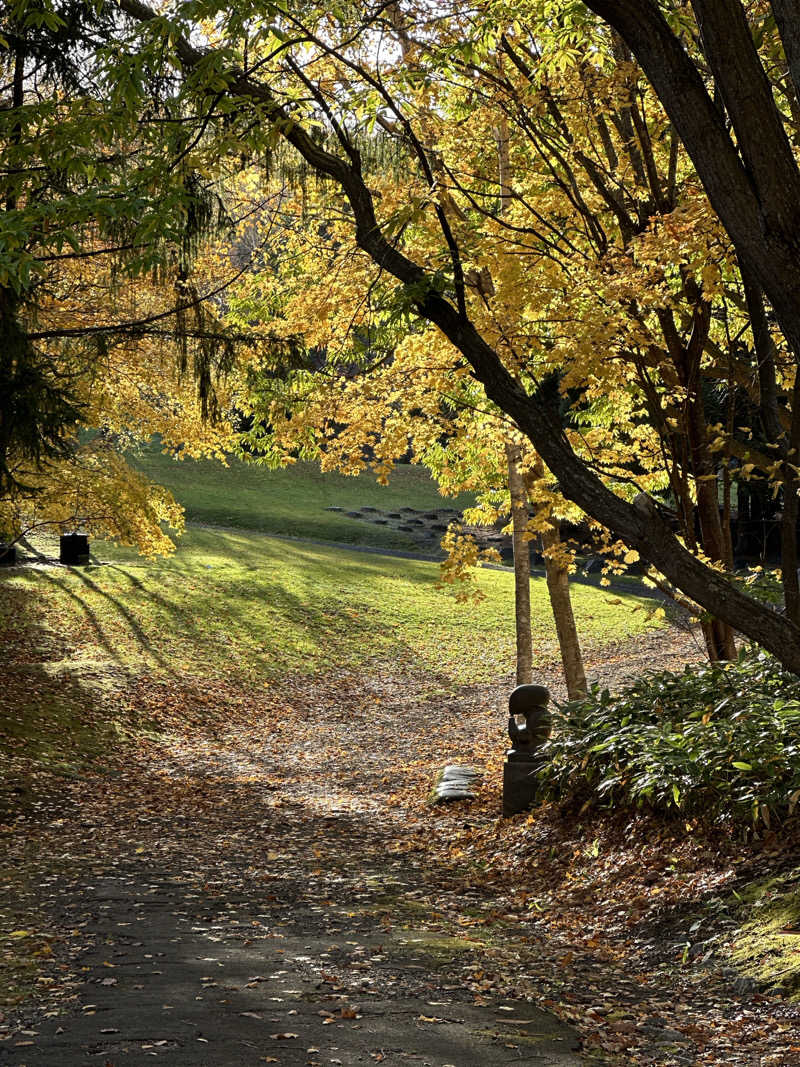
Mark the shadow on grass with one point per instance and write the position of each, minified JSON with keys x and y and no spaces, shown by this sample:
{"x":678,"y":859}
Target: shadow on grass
{"x":90,"y":616}
{"x":262,"y":621}
{"x":227,"y":599}
{"x":55,"y":719}
{"x":228,"y":608}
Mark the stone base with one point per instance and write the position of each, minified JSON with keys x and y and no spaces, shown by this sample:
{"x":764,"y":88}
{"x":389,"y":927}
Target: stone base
{"x":519,"y":786}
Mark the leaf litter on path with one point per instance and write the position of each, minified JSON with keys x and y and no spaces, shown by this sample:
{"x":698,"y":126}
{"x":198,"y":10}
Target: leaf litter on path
{"x":311,"y":801}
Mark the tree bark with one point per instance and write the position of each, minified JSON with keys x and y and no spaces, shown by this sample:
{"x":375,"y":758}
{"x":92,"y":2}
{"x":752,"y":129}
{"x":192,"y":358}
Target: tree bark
{"x":718,"y":634}
{"x":764,"y":350}
{"x":789,"y":561}
{"x":561,"y":602}
{"x":522,"y":564}
{"x":687,"y":357}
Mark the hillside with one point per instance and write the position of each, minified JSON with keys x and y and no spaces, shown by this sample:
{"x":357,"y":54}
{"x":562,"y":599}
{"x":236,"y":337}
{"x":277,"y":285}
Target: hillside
{"x":296,"y":501}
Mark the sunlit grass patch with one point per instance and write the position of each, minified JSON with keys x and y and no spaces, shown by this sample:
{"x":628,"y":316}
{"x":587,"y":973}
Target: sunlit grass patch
{"x":239,"y":604}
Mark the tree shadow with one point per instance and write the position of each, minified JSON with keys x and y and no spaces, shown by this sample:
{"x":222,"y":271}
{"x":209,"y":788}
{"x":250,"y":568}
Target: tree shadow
{"x":90,"y":616}
{"x":136,"y":630}
{"x":57,"y":718}
{"x":251,"y":612}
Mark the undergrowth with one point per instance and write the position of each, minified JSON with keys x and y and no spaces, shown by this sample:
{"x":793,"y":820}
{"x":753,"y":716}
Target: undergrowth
{"x":721,"y":740}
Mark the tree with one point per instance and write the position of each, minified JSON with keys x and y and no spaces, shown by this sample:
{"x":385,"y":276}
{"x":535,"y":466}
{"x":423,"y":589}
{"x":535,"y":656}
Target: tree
{"x":328,"y":403}
{"x":318,"y":80}
{"x":744,"y":148}
{"x":325,"y":403}
{"x":125,"y":390}
{"x":639,"y":322}
{"x":522,"y":562}
{"x":102,"y":327}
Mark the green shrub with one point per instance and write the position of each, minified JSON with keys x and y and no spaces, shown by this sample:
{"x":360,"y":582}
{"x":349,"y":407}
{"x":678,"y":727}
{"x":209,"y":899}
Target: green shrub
{"x":722,"y":741}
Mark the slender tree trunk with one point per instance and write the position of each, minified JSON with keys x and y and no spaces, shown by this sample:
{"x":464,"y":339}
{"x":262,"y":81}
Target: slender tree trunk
{"x":730,"y":420}
{"x":791,"y":584}
{"x":784,"y":444}
{"x":561,"y":603}
{"x":719,"y":634}
{"x":560,"y":600}
{"x":686,"y":357}
{"x":516,"y":487}
{"x":791,"y":579}
{"x":17,"y":100}
{"x":522,"y":564}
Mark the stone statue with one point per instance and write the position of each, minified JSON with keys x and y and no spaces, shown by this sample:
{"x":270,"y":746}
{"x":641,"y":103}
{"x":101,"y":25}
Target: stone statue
{"x":529,"y":722}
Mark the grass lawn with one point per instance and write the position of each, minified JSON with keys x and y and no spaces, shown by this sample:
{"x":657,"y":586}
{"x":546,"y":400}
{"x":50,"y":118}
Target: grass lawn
{"x":292,"y":501}
{"x":243,"y":603}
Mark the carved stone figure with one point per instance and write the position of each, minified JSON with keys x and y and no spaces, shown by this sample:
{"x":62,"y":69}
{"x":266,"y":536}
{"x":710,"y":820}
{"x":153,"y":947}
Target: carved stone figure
{"x":529,"y":724}
{"x":529,"y":721}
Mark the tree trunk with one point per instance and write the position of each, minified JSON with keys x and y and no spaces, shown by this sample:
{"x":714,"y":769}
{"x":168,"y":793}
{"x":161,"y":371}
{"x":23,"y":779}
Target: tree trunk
{"x":522,"y":564}
{"x":561,"y":603}
{"x":686,"y":358}
{"x":560,"y":600}
{"x":557,"y":584}
{"x":557,"y":574}
{"x":17,"y":101}
{"x":791,"y":585}
{"x":718,"y":634}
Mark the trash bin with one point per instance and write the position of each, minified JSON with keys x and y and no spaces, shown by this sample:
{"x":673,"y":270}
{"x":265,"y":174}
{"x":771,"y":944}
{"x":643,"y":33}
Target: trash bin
{"x":8,"y":555}
{"x":74,"y":549}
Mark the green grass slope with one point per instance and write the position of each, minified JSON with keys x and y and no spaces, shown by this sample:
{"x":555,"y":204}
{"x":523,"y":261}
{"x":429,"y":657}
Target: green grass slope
{"x":292,"y":501}
{"x":236,"y":601}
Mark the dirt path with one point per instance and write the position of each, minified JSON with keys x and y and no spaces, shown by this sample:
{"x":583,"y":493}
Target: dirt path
{"x":276,"y":889}
{"x":242,"y":974}
{"x":249,"y":901}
